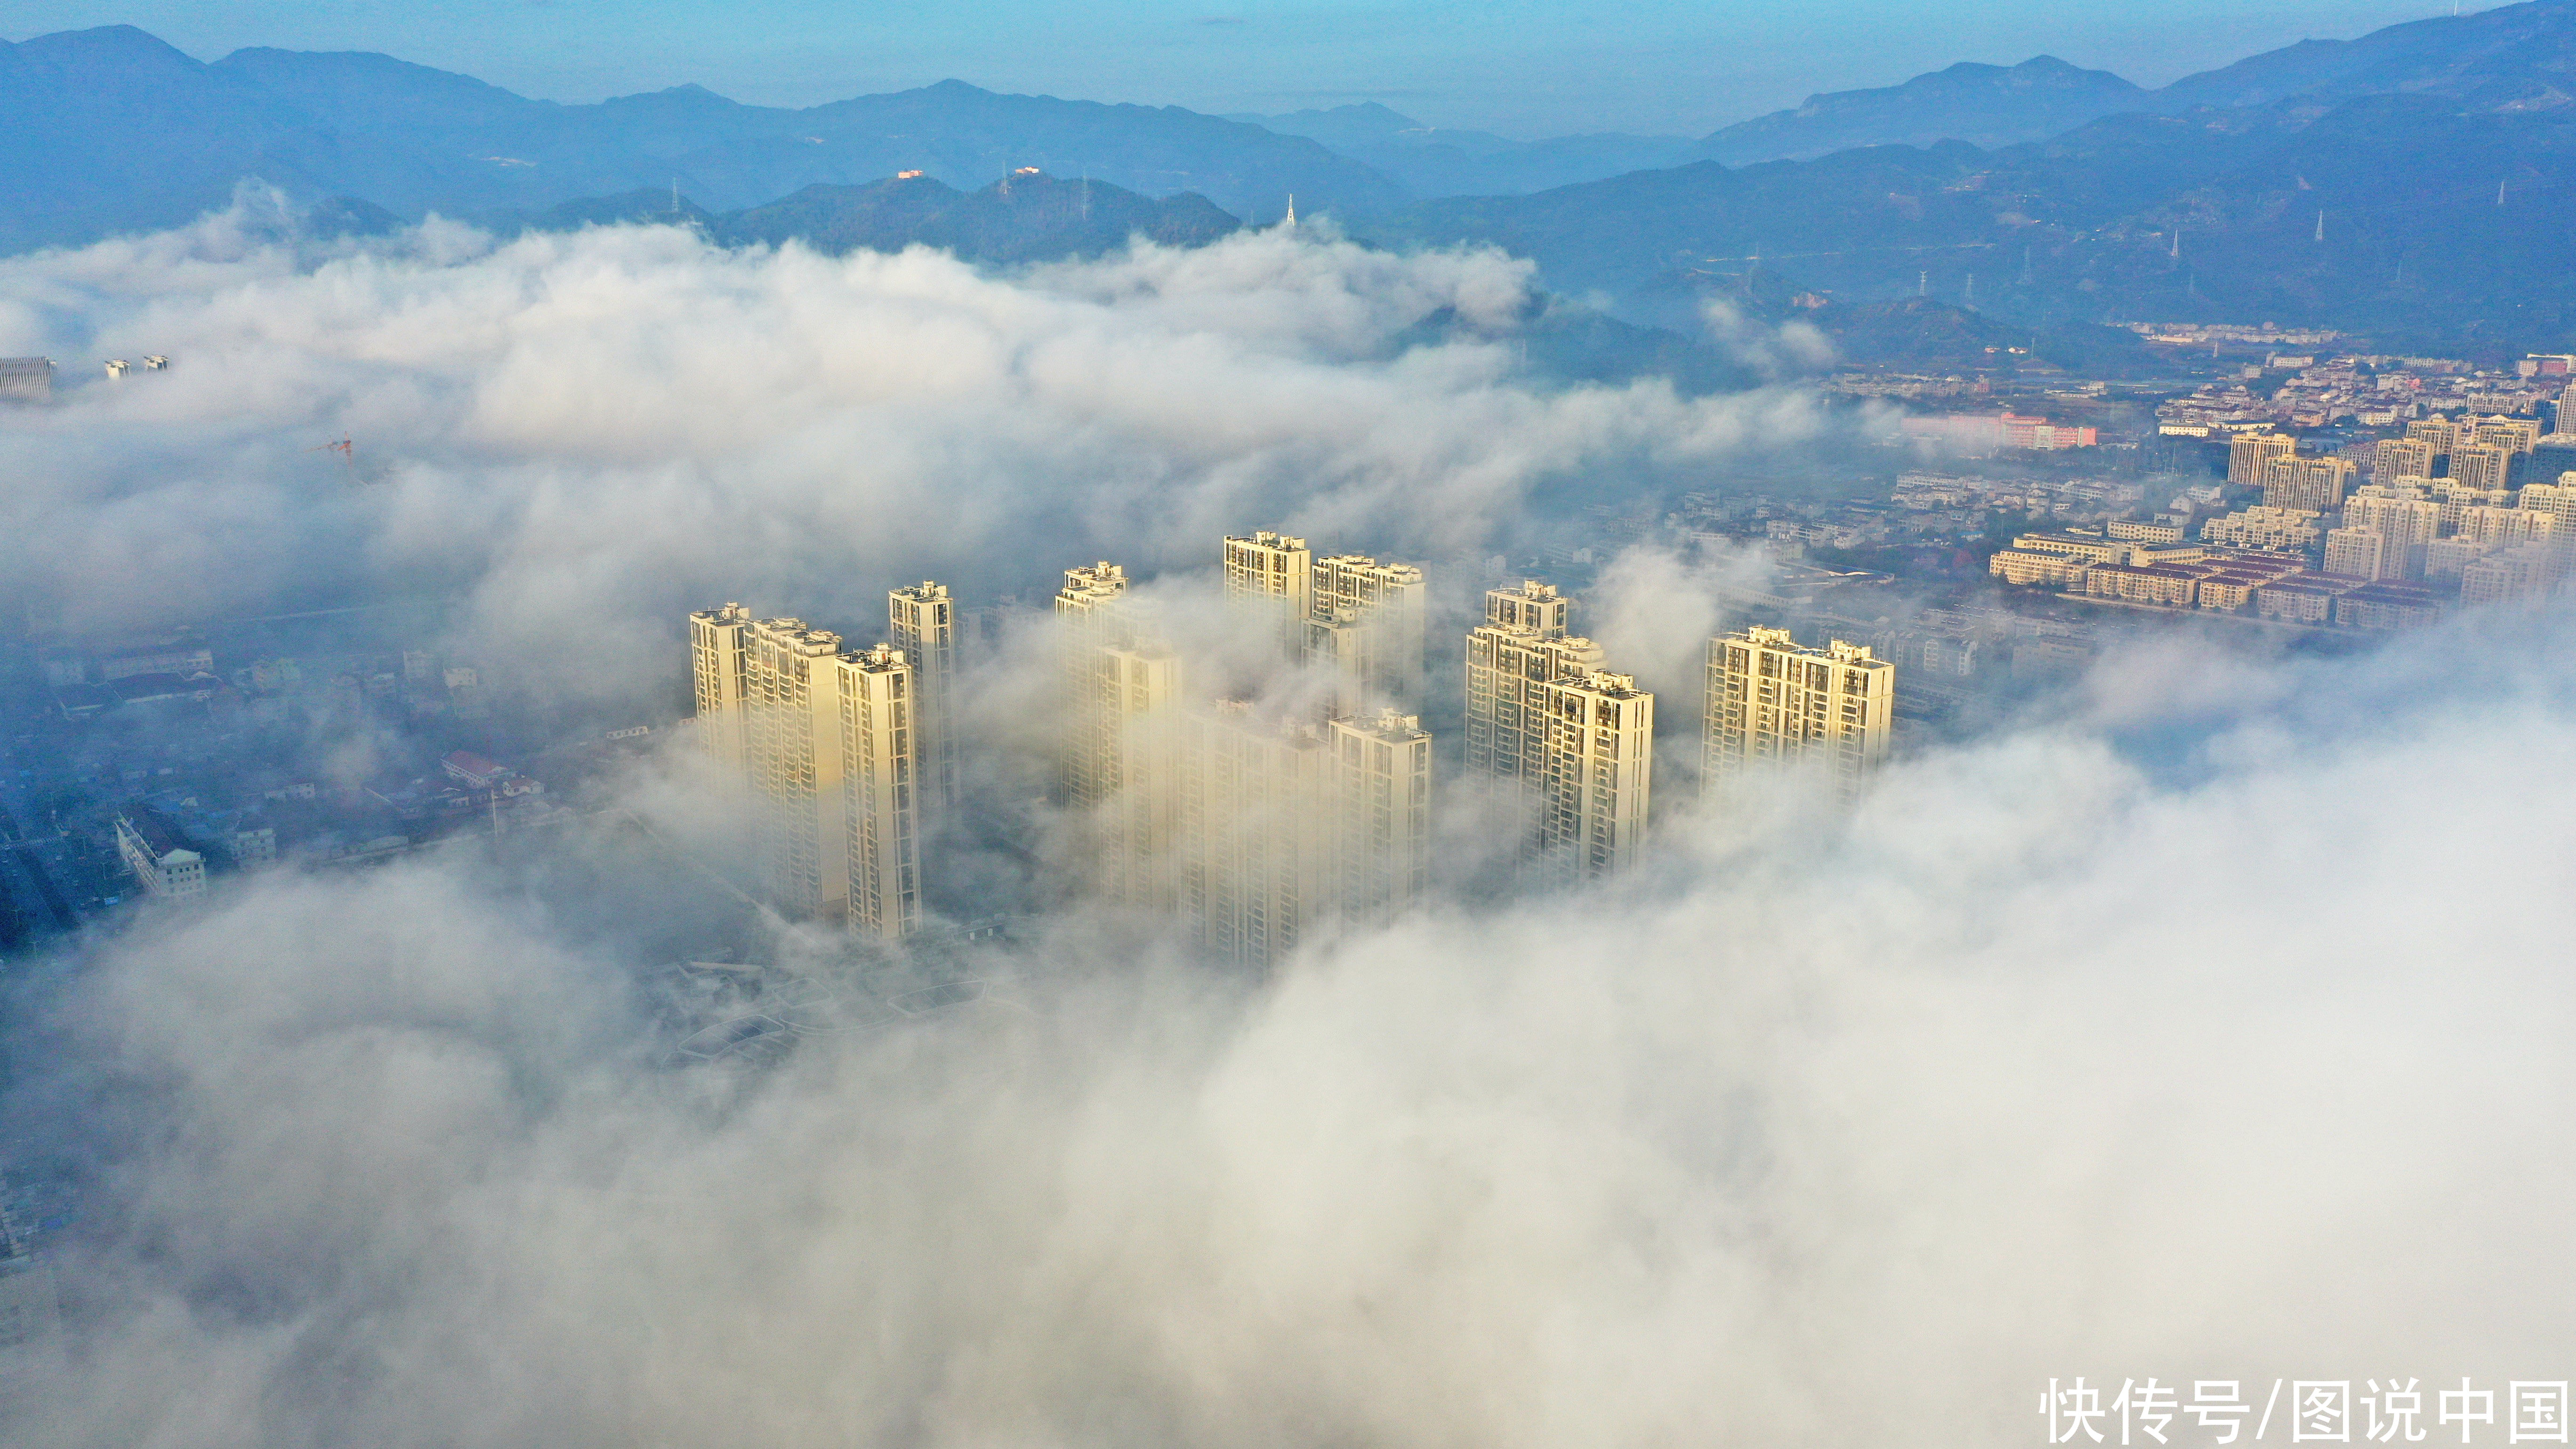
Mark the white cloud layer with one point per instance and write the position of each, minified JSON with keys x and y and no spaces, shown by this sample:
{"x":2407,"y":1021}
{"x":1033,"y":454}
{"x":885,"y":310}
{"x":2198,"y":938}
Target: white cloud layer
{"x":2210,"y":1024}
{"x":2248,"y":1064}
{"x":590,"y":433}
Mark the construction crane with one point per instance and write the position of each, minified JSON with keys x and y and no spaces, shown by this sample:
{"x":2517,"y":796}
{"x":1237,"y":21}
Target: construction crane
{"x":348,"y":452}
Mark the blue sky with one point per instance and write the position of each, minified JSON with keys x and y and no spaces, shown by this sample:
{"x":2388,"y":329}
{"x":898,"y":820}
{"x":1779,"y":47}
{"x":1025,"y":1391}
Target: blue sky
{"x":1523,"y":67}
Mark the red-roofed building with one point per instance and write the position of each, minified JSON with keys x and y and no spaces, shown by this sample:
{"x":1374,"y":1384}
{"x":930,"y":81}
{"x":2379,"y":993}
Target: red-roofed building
{"x":476,"y":771}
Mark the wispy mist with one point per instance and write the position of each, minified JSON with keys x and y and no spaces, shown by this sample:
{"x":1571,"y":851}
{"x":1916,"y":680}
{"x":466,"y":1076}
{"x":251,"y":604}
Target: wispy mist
{"x":2207,"y":1022}
{"x":588,"y":434}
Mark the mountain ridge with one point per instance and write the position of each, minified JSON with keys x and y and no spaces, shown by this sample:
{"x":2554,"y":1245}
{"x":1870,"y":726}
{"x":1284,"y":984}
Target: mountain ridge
{"x":2513,"y":57}
{"x":122,"y":132}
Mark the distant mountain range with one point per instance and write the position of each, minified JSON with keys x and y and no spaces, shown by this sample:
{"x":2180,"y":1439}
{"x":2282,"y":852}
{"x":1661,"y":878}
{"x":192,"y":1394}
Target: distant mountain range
{"x":2405,"y":217}
{"x":111,"y":130}
{"x":2517,"y":58}
{"x":1984,"y":105}
{"x":2042,"y":196}
{"x":1428,"y":161}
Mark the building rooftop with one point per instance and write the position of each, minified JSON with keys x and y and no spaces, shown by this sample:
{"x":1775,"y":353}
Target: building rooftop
{"x":154,"y":829}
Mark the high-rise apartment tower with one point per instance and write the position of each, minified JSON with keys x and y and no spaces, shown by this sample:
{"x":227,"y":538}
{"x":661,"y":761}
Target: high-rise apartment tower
{"x":923,"y":622}
{"x":717,"y":666}
{"x":2249,"y":453}
{"x":826,"y":739}
{"x":2315,"y":484}
{"x":1566,"y":739}
{"x":1771,"y":700}
{"x":1272,"y":575}
{"x":1365,"y":619}
{"x":1598,"y":744}
{"x":1287,"y":829}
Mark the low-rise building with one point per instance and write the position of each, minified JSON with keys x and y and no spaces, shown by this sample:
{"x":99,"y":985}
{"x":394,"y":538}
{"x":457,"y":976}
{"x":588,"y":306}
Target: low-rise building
{"x":2387,"y":605}
{"x":2170,"y":586}
{"x":2302,"y":598}
{"x":160,"y":858}
{"x":2025,"y":568}
{"x":2232,"y":580}
{"x":2137,"y":531}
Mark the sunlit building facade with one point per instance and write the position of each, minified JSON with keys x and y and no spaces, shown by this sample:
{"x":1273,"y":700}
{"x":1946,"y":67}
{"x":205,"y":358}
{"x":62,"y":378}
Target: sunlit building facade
{"x":922,"y":622}
{"x":1270,"y":575}
{"x":1597,"y":772}
{"x":1773,"y":701}
{"x":1365,"y":620}
{"x":1558,"y":734}
{"x":828,"y":748}
{"x":718,"y":670}
{"x":1287,"y":829}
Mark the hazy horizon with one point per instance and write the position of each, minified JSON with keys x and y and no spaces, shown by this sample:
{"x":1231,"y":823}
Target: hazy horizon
{"x":1532,"y":70}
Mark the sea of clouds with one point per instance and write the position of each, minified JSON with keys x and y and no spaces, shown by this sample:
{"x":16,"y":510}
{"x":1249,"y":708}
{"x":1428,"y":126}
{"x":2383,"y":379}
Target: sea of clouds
{"x":2208,"y":1020}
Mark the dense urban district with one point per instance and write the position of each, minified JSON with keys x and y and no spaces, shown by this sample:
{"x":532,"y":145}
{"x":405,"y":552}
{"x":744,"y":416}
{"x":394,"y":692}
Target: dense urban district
{"x":1992,"y":536}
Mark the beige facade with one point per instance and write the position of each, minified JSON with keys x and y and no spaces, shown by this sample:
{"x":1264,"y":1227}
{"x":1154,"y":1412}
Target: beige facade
{"x":2402,"y":458}
{"x":1286,"y":830}
{"x":1092,"y":614}
{"x":2457,"y":498}
{"x":1564,"y":738}
{"x":793,"y":728}
{"x":2406,"y":525}
{"x":2131,"y":530}
{"x":717,"y":665}
{"x":1598,"y":773}
{"x":2089,"y":547}
{"x":2439,"y":434}
{"x":922,"y":622}
{"x":2317,"y":485}
{"x":1347,"y":612}
{"x":1773,"y":701}
{"x":2557,"y":502}
{"x":1256,"y":838}
{"x":882,"y":795}
{"x":2249,"y":453}
{"x":1272,"y":574}
{"x":1381,"y":776}
{"x":2165,"y":586}
{"x":2024,"y":568}
{"x":2357,"y":553}
{"x":2507,"y":575}
{"x":1365,"y":618}
{"x":2446,"y":558}
{"x":2482,"y":465}
{"x":827,"y":744}
{"x":1136,"y":729}
{"x":1117,"y":766}
{"x":2504,"y":527}
{"x":2514,"y":435}
{"x":2278,"y":530}
{"x":1521,"y":645}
